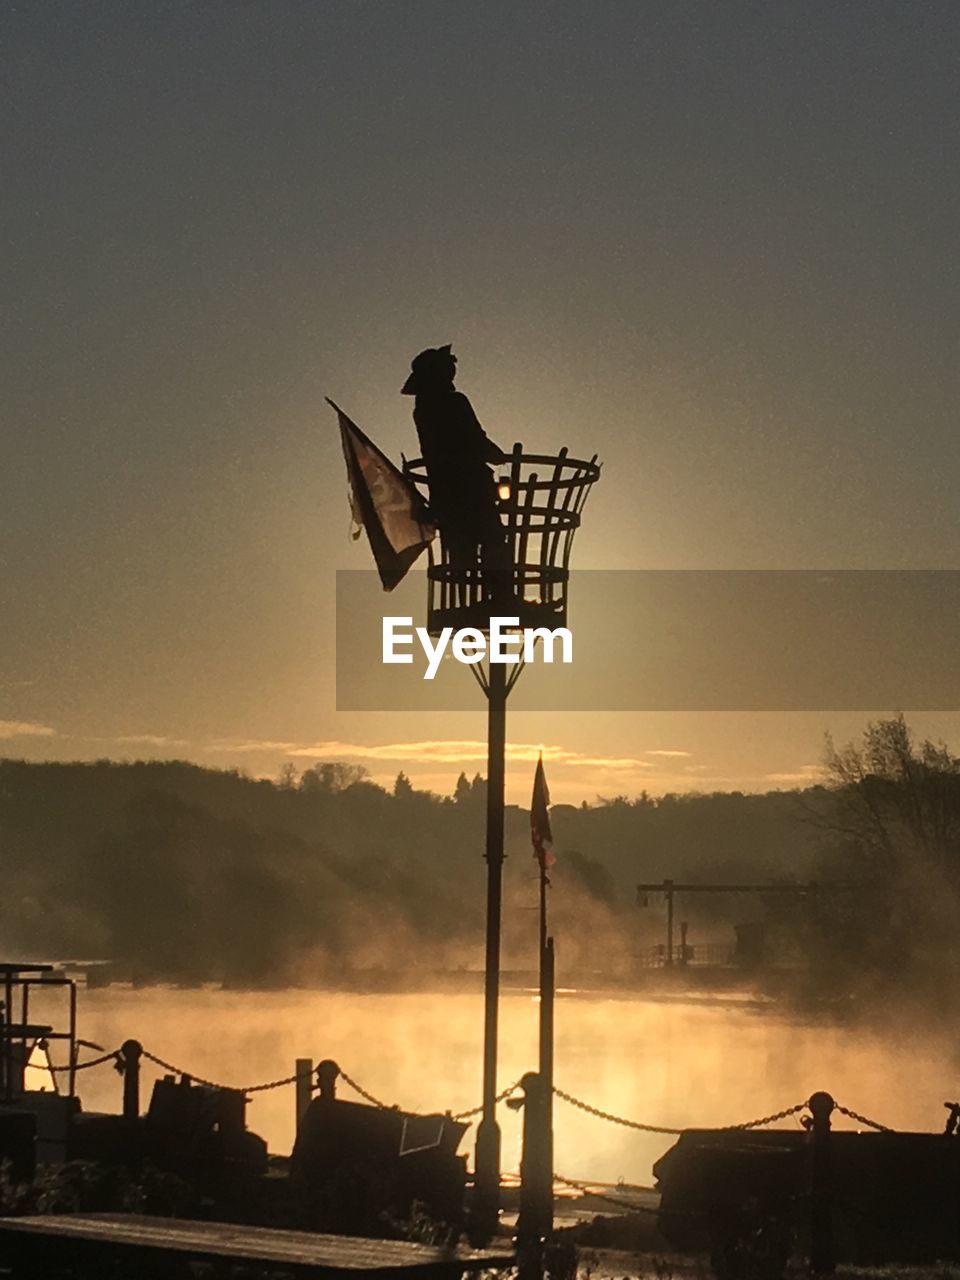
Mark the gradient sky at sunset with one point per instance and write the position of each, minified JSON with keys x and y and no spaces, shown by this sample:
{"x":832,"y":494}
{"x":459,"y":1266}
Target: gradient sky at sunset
{"x":714,"y":243}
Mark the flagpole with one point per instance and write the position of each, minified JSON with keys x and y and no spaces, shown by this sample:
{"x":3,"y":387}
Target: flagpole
{"x":540,"y":824}
{"x":549,"y":508}
{"x":487,"y":1153}
{"x":546,"y":991}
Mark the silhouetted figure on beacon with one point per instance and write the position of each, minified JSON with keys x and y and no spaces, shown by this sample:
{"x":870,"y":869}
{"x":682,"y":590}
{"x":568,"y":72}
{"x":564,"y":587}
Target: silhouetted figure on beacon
{"x":457,"y":453}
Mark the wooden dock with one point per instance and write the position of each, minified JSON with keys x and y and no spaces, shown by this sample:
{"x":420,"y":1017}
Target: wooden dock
{"x":92,"y":1245}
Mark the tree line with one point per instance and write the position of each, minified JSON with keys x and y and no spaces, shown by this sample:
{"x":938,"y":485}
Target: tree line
{"x":174,"y":872}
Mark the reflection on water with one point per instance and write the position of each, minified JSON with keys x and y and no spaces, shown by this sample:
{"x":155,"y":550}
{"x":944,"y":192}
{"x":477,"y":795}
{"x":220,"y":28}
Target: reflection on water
{"x":677,"y":1063}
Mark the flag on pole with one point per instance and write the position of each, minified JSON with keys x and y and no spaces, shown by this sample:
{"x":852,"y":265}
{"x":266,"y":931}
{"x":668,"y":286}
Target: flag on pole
{"x":384,"y":503}
{"x":540,"y":831}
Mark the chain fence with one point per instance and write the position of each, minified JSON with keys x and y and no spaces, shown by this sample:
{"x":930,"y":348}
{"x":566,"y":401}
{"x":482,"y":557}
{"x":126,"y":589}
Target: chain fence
{"x":369,"y":1097}
{"x":608,"y":1115}
{"x":501,"y":1097}
{"x":770,"y":1119}
{"x":116,"y":1057}
{"x":855,"y":1115}
{"x":212,"y":1084}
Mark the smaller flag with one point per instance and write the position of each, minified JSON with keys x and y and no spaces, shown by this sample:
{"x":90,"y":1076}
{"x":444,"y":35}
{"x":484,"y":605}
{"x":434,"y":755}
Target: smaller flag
{"x":384,"y":503}
{"x":540,"y":832}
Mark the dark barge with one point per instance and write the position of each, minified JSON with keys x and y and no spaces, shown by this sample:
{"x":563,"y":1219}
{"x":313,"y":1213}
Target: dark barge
{"x":753,"y":1197}
{"x":355,"y":1170}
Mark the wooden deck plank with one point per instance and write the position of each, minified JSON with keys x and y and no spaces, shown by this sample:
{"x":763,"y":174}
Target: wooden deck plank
{"x":222,"y":1240}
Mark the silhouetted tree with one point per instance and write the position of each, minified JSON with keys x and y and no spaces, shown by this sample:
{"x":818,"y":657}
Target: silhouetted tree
{"x":288,"y":777}
{"x":332,"y":777}
{"x":462,"y":793}
{"x":889,"y":818}
{"x":895,"y":799}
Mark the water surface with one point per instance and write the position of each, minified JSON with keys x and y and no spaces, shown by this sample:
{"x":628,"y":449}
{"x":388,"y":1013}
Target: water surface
{"x":693,"y":1062}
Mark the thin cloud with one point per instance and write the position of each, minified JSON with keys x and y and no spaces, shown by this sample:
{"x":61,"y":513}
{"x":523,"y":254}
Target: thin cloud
{"x":806,"y":773}
{"x":612,"y":762}
{"x":253,"y":745}
{"x":467,"y":751}
{"x":150,"y":740}
{"x":25,"y":729}
{"x":464,"y":753}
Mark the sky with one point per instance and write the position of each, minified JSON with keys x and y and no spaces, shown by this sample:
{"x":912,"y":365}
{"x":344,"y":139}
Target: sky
{"x":713,"y":243}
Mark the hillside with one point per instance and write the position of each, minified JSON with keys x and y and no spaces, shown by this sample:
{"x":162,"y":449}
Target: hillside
{"x":181,"y":873}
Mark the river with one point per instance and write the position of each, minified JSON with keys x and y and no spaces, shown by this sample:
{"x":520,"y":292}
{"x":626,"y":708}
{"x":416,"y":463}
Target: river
{"x":677,"y":1062}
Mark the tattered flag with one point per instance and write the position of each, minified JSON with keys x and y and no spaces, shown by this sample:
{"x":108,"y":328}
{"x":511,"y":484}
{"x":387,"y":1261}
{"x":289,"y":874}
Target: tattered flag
{"x":540,"y":832}
{"x":384,"y":503}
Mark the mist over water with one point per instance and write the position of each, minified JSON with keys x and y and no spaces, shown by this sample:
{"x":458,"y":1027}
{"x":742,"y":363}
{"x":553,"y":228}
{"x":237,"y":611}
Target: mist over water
{"x":693,"y":1062}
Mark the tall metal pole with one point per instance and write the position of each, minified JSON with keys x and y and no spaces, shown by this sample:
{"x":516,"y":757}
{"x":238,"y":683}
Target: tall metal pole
{"x":547,"y":992}
{"x":548,"y":987}
{"x":487,"y":1156}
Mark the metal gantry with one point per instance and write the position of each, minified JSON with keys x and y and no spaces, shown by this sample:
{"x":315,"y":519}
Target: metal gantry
{"x":810,"y":891}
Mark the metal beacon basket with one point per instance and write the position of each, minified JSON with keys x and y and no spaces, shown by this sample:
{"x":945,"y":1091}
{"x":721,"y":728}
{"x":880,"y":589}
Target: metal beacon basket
{"x":541,"y":497}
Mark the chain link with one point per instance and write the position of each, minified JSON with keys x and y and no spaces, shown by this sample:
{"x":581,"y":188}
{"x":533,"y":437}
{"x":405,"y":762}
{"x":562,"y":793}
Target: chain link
{"x":459,"y":1115}
{"x":606,"y":1115}
{"x":358,"y":1088}
{"x":777,"y":1115}
{"x":855,"y":1115}
{"x":212,"y":1084}
{"x":271,"y":1084}
{"x":659,"y":1128}
{"x":113,"y":1057}
{"x":475,"y":1111}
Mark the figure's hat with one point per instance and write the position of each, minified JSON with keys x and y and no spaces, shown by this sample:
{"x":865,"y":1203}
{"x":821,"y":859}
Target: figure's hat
{"x":434,"y":364}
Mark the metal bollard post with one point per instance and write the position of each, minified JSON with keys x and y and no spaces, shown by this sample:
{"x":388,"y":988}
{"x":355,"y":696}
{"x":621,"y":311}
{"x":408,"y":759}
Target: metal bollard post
{"x":327,"y":1072}
{"x":534,"y":1222}
{"x":304,"y":1086}
{"x":822,"y":1260}
{"x":130,"y":1052}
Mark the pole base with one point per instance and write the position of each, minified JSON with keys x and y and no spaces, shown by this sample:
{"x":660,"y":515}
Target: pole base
{"x":485,"y":1206}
